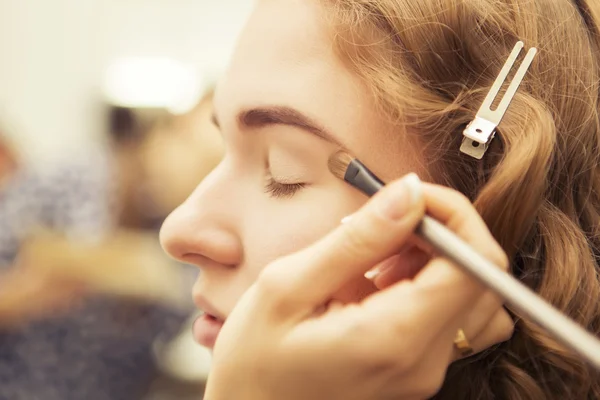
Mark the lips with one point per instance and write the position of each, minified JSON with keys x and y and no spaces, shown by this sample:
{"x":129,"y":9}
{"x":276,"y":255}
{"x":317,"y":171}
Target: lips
{"x":206,"y":330}
{"x":206,"y":327}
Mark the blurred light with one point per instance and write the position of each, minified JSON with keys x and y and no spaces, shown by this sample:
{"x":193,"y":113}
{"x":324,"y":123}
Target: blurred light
{"x":152,"y":83}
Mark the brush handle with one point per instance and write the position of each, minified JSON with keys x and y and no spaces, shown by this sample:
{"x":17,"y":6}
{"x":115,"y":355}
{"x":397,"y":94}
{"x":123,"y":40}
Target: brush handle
{"x":519,"y":296}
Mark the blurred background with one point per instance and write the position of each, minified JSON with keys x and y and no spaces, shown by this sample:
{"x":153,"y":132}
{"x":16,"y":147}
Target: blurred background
{"x":56,"y":56}
{"x":104,"y":129}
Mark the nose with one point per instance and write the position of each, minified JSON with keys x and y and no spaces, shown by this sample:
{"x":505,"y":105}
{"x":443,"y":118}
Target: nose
{"x":202,"y":231}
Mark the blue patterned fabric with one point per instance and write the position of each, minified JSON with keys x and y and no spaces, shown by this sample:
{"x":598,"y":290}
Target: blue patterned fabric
{"x":101,"y":351}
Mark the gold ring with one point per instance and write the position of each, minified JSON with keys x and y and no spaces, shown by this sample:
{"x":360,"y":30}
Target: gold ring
{"x":462,"y":344}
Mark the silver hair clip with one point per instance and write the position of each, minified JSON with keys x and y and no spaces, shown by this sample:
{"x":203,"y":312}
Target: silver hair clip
{"x":480,"y":132}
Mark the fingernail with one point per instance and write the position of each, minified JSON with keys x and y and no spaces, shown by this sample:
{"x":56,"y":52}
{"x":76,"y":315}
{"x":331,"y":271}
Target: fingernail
{"x":382,"y":267}
{"x":372,"y":274}
{"x":346,"y":219}
{"x":397,"y":201}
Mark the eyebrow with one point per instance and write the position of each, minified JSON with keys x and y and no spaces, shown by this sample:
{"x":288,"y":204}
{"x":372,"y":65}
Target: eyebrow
{"x":281,"y":115}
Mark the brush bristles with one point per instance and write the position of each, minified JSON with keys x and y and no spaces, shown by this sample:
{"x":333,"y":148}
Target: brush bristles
{"x":338,"y":163}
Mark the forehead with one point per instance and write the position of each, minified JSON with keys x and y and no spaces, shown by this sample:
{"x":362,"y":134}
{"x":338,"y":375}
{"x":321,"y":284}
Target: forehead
{"x":283,"y":39}
{"x":289,"y":32}
{"x":285,"y":56}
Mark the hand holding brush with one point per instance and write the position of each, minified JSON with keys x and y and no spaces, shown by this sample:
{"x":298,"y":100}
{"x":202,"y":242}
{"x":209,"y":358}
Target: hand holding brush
{"x":448,"y":244}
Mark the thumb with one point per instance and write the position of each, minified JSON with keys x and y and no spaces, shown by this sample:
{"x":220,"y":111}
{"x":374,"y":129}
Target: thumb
{"x":374,"y":233}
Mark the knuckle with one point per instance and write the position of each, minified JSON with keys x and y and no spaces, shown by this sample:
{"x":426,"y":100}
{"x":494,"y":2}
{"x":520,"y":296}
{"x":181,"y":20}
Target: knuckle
{"x":458,"y":201}
{"x":462,"y":200}
{"x":496,"y":254}
{"x":407,"y":353}
{"x":502,"y":259}
{"x":381,"y":359}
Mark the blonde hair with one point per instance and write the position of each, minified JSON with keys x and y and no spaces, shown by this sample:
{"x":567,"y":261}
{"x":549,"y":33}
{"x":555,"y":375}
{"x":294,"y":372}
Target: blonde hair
{"x":430,"y":63}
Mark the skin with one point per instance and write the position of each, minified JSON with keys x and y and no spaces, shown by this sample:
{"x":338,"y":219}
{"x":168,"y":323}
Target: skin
{"x":231,"y":226}
{"x":285,"y":340}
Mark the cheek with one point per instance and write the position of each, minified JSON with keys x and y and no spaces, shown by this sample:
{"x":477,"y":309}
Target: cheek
{"x":288,"y":235}
{"x":287,"y":229}
{"x":283,"y":232}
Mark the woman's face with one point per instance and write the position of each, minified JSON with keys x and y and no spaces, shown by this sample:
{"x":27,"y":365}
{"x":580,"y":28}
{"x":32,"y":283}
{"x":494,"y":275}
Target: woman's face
{"x":284,"y":106}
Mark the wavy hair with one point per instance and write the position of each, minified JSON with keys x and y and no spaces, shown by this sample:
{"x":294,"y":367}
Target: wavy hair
{"x":430,"y":63}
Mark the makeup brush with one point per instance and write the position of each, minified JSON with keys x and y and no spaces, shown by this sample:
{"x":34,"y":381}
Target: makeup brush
{"x":448,"y":244}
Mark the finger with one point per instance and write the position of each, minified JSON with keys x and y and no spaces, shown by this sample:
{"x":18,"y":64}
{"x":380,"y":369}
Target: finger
{"x":482,"y":313}
{"x":404,"y":265}
{"x":457,"y":212}
{"x":499,"y":329}
{"x":421,"y":244}
{"x":441,"y":294}
{"x":441,"y":280}
{"x":430,"y":371}
{"x":373,"y":234}
{"x":334,"y":306}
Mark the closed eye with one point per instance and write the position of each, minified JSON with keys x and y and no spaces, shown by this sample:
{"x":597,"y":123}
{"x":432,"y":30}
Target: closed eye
{"x":282,"y":190}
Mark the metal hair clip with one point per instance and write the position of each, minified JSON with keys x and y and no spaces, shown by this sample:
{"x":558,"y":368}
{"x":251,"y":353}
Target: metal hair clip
{"x":480,"y":132}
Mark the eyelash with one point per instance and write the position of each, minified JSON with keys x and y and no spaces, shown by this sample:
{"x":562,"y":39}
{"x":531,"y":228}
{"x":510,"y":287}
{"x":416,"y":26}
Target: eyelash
{"x":282,"y":190}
